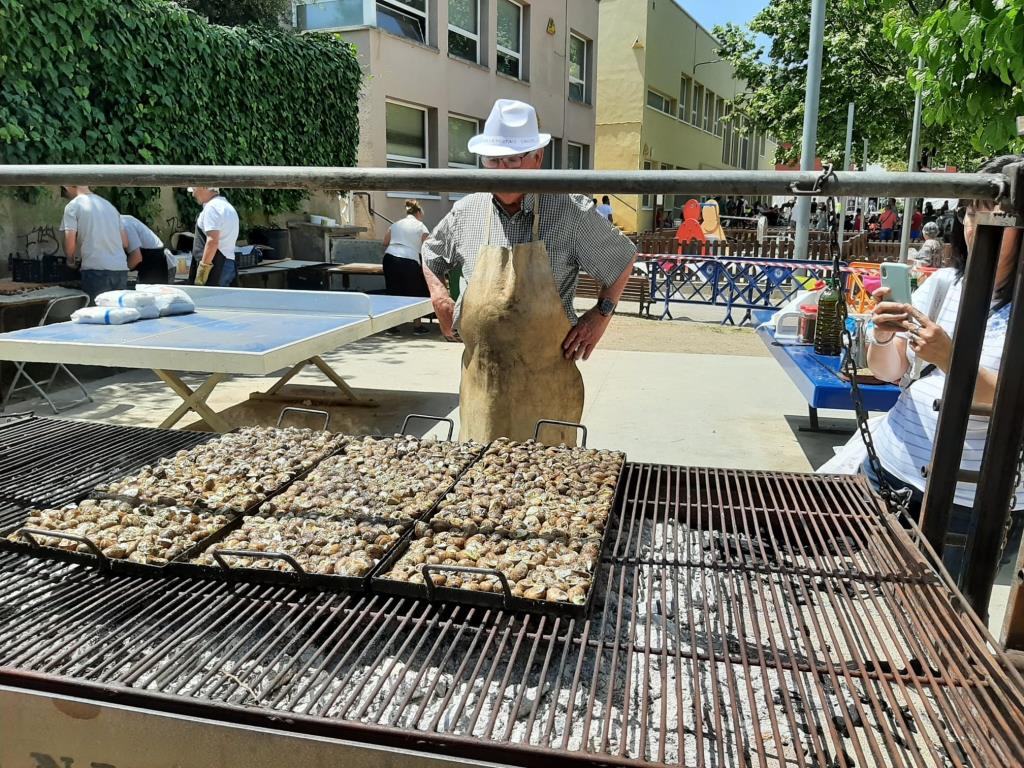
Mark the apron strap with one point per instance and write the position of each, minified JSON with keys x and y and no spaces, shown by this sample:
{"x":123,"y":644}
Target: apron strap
{"x":536,"y":218}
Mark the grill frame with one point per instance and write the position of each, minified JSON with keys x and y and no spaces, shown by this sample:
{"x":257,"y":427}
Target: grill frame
{"x":322,"y":664}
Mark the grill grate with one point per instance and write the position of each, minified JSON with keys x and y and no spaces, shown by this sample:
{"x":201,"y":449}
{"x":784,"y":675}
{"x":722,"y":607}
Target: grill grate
{"x":742,"y":619}
{"x":49,"y":462}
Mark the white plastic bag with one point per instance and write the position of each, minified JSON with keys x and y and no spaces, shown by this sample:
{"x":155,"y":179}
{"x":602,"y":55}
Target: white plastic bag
{"x":105,"y":315}
{"x":169,"y":300}
{"x":124,"y":299}
{"x":148,"y":312}
{"x":850,"y":456}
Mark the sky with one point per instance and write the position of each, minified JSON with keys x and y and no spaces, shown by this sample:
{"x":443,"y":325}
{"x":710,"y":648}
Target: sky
{"x":712,"y":12}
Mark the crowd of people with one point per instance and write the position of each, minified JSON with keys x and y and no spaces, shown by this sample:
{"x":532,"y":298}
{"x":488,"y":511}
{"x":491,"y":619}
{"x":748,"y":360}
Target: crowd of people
{"x":104,"y":245}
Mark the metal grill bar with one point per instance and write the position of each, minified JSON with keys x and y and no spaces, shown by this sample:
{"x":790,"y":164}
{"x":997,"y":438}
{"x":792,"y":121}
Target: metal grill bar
{"x":743,"y":619}
{"x":49,"y":462}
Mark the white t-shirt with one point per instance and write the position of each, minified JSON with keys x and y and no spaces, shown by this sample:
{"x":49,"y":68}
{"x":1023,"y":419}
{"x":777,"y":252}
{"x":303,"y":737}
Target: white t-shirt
{"x":407,"y":238}
{"x":98,"y":225}
{"x":139,"y":235}
{"x":605,"y":210}
{"x":218,"y":215}
{"x":905,"y":436}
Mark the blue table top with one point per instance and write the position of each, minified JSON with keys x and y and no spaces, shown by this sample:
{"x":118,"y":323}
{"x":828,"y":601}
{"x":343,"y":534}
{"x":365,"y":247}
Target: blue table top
{"x":817,"y":376}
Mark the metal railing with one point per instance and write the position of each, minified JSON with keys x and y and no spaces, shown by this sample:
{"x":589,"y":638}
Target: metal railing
{"x":995,"y":481}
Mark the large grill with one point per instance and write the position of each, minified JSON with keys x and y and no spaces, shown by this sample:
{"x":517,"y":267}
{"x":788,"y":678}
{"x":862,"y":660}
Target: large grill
{"x":742,"y":618}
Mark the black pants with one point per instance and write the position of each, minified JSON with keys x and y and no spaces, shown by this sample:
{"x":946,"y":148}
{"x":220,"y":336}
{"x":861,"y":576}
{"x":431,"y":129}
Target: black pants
{"x":404,"y":277}
{"x":153,"y":269}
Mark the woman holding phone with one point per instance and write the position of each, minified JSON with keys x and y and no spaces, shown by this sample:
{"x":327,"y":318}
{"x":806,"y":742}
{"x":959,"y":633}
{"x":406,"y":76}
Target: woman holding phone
{"x":912,"y":345}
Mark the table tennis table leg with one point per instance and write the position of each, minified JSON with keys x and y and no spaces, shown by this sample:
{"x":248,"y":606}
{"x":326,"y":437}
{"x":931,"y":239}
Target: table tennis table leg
{"x":194,"y":400}
{"x":327,"y":371}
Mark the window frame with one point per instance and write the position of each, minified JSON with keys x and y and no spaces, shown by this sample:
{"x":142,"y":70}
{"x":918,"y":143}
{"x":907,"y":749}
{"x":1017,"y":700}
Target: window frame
{"x":647,"y":200}
{"x":576,"y":81}
{"x":407,"y":160}
{"x":465,"y":166}
{"x":683,"y":111}
{"x":697,"y":105}
{"x":398,"y":6}
{"x":668,"y":102}
{"x":708,"y":123}
{"x":474,"y":36}
{"x":500,"y":49}
{"x":569,"y":145}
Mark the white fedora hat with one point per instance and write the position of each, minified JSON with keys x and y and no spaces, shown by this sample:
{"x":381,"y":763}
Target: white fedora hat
{"x":511,"y":129}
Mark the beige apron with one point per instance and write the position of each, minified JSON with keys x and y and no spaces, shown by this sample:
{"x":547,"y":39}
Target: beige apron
{"x":513,"y":324}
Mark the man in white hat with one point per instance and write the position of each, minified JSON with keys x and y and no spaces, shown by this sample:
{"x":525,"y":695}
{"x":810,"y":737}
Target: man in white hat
{"x":521,"y":256}
{"x":213,"y":246}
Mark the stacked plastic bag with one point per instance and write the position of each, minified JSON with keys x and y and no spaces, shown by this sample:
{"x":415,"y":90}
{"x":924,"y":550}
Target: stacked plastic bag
{"x":146,"y":302}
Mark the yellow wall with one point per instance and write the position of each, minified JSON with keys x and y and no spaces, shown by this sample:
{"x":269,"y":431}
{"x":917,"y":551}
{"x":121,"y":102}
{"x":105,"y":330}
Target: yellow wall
{"x":650,"y":44}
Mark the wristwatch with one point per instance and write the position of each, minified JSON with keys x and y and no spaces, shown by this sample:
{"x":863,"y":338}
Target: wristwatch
{"x":605,"y":307}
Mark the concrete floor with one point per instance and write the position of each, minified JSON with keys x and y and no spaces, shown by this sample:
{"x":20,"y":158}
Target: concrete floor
{"x":719,"y":410}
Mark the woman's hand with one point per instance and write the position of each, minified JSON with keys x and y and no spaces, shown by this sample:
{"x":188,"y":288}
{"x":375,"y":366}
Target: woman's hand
{"x":888,"y":316}
{"x":928,"y":340}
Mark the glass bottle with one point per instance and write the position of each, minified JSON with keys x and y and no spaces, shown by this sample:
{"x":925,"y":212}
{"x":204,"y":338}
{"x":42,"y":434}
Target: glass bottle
{"x":828,"y":332}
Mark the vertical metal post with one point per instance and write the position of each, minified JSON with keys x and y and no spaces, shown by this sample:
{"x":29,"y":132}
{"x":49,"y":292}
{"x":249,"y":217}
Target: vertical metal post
{"x":915,"y":150}
{"x":846,"y":167}
{"x":999,"y":462}
{"x":808,"y":151}
{"x":958,"y":393}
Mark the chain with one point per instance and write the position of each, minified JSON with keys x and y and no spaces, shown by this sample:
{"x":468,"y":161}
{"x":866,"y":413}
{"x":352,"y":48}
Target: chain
{"x":897,"y":501}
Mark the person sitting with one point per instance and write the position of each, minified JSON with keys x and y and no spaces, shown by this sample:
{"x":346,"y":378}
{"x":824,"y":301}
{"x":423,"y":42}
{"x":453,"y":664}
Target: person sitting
{"x":912,"y":344}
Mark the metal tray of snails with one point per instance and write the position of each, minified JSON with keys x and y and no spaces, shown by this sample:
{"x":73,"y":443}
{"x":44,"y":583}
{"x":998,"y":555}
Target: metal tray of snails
{"x":233,"y":473}
{"x":332,"y":526}
{"x":114,"y":535}
{"x":503,"y":560}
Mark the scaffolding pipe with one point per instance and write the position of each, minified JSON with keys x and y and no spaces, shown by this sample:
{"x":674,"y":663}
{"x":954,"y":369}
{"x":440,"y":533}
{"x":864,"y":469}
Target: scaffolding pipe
{"x":809,"y":146}
{"x":915,"y":148}
{"x":960,"y":185}
{"x":846,"y":166}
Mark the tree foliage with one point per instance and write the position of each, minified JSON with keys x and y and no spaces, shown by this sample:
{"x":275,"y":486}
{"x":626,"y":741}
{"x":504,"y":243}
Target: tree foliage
{"x":236,"y":13}
{"x":859,"y":64}
{"x":973,"y":76}
{"x":144,"y":81}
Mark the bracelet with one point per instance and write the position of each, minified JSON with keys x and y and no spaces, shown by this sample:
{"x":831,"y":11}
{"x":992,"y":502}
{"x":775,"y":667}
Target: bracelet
{"x":876,"y":343}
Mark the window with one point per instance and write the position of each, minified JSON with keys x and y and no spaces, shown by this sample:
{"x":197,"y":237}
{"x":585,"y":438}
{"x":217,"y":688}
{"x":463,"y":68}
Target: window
{"x":510,"y":38}
{"x":727,"y":131}
{"x":460,"y":131}
{"x":760,"y":144}
{"x":576,"y":156}
{"x":660,"y":103}
{"x":405,"y":19}
{"x":709,"y":112}
{"x":578,"y":69}
{"x":685,"y":88}
{"x":719,"y":114}
{"x":552,"y":155}
{"x":406,"y":136}
{"x":464,"y":29}
{"x":645,"y":200}
{"x":698,"y":106}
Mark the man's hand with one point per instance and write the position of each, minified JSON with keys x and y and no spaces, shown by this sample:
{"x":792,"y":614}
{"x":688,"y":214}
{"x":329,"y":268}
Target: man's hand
{"x":444,"y":308}
{"x":927,"y":338}
{"x":583,"y":338}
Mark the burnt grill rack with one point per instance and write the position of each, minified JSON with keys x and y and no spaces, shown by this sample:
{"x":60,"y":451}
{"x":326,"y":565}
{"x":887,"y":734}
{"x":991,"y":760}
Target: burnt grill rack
{"x":789,"y":621}
{"x":48,"y":462}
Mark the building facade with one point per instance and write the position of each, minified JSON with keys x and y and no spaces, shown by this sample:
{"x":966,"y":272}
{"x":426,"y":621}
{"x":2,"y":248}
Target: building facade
{"x":433,"y":69}
{"x":663,"y":103}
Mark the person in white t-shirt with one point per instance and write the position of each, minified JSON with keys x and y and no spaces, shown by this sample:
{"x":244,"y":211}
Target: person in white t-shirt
{"x":213,"y":248}
{"x":403,"y":267}
{"x":916,"y":338}
{"x":605,"y":208}
{"x":95,"y":239}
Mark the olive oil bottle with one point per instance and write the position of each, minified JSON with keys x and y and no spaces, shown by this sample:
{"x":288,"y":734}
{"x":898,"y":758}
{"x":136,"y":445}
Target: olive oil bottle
{"x":828,"y":333}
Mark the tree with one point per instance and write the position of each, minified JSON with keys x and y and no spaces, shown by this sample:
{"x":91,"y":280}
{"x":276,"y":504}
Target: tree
{"x":859,"y":64}
{"x":237,"y":13}
{"x":973,"y":54}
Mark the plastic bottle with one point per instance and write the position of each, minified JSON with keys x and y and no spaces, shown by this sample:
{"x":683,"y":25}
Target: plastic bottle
{"x":828,"y":332}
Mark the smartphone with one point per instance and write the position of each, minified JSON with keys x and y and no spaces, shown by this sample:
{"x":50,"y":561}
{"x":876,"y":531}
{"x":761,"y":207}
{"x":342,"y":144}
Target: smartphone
{"x":896,"y":277}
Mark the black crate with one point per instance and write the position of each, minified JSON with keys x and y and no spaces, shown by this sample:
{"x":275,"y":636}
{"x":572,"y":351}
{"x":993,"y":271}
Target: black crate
{"x":49,"y":269}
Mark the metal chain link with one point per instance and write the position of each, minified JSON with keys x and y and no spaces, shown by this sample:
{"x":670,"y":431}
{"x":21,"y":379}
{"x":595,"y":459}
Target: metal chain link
{"x":897,"y":501}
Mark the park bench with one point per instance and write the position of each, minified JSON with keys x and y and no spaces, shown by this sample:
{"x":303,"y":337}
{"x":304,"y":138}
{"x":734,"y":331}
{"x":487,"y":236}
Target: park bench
{"x":638,"y":289}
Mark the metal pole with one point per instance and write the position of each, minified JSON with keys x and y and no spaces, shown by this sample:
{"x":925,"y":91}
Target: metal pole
{"x":846,"y":167}
{"x":864,"y":200}
{"x":915,"y":149}
{"x":999,"y":462}
{"x":958,"y":393}
{"x":808,"y":151}
{"x":961,"y":185}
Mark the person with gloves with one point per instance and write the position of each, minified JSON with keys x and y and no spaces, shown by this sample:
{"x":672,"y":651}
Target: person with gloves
{"x":213,"y":249}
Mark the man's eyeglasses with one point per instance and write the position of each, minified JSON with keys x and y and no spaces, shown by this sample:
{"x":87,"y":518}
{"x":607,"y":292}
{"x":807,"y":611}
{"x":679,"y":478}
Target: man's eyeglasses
{"x":510,"y":161}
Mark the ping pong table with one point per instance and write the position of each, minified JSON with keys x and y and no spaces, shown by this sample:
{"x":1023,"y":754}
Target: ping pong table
{"x":233,"y":331}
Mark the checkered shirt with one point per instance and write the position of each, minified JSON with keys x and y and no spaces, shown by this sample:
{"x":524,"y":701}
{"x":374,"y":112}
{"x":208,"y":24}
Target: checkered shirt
{"x":578,"y":238}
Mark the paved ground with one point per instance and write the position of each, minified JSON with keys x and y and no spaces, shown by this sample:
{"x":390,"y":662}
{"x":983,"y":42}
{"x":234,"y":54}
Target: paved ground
{"x":687,"y":391}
